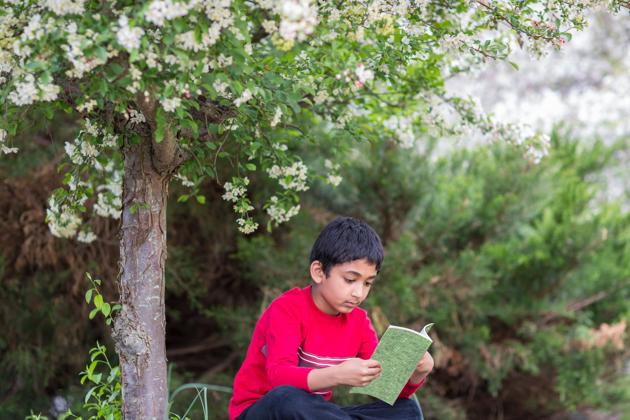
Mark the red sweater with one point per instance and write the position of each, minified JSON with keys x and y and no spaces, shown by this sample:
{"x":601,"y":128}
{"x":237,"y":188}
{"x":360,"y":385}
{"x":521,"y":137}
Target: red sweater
{"x":293,"y":337}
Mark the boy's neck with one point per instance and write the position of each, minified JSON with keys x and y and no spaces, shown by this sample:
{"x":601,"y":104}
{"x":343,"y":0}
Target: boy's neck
{"x":321,"y":303}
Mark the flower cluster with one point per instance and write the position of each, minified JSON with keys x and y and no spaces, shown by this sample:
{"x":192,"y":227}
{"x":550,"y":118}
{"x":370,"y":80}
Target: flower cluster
{"x":236,"y":192}
{"x":245,"y":96}
{"x":77,"y":43}
{"x":298,"y":19}
{"x":171,"y":104}
{"x":63,"y":221}
{"x":278,"y":213}
{"x":184,"y":180}
{"x":360,"y":76}
{"x":3,"y":148}
{"x":161,"y":10}
{"x":277,"y":116}
{"x":66,"y":7}
{"x":128,"y":37}
{"x":290,"y":177}
{"x":109,"y":198}
{"x":403,"y":128}
{"x":27,"y":91}
{"x":104,"y":180}
{"x":333,"y":177}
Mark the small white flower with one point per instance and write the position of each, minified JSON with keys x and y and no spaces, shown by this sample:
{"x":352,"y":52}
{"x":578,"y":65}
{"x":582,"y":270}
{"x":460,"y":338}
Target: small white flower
{"x":65,"y":7}
{"x":245,"y":96}
{"x":276,"y":117}
{"x":334,"y":180}
{"x":246,"y":226}
{"x":25,"y":92}
{"x":171,"y":104}
{"x":86,"y":237}
{"x":364,"y":75}
{"x":128,"y":37}
{"x":184,"y":180}
{"x":87,"y":106}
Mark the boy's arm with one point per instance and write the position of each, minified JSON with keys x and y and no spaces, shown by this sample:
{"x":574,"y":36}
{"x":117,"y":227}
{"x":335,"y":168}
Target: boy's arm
{"x":353,"y":372}
{"x":284,"y":336}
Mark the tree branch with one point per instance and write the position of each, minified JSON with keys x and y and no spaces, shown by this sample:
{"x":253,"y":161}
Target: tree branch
{"x":166,"y":156}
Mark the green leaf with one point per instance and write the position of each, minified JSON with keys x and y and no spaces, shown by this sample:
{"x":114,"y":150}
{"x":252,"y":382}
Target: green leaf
{"x":98,"y":301}
{"x":88,"y":296}
{"x":106,"y":309}
{"x":93,"y":313}
{"x":88,"y":394}
{"x":201,"y":199}
{"x":250,"y":166}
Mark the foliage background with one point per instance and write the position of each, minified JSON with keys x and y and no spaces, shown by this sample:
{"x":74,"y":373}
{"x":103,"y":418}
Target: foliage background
{"x":519,"y":265}
{"x":524,"y":268}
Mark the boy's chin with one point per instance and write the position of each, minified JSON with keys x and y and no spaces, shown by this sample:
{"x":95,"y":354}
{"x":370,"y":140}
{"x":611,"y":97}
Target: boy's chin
{"x":344,"y":309}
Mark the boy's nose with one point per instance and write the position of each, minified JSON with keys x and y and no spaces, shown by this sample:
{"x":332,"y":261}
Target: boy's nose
{"x":357,"y":291}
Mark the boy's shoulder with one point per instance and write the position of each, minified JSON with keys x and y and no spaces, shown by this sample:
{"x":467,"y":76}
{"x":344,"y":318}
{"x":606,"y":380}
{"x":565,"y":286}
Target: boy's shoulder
{"x":294,"y":297}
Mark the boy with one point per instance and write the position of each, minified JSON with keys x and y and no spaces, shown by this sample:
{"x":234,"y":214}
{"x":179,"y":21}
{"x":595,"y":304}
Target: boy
{"x":310,"y":340}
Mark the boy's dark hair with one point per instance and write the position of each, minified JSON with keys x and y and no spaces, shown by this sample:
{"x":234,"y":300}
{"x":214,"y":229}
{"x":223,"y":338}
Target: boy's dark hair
{"x":347,"y":239}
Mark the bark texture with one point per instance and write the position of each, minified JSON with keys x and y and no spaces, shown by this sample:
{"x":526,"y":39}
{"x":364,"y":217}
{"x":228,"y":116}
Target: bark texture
{"x":140,"y":327}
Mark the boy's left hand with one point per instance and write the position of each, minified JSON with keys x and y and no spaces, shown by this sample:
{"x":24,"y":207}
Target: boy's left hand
{"x":423,"y":368}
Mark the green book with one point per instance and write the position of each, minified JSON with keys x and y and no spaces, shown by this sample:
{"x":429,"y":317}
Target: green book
{"x":399,"y":351}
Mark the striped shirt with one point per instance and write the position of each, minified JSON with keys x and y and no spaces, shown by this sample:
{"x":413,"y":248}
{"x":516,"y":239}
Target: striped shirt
{"x":291,"y":338}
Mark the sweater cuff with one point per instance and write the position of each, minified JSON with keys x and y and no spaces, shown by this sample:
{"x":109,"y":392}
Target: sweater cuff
{"x":411,"y":389}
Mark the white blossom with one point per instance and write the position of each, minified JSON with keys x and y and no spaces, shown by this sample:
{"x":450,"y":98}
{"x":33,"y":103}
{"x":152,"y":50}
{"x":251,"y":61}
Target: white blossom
{"x":334,"y":180}
{"x":184,"y":180}
{"x":49,"y":92}
{"x":170,"y":104}
{"x":109,"y":198}
{"x":221,"y":88}
{"x":136,"y":117}
{"x":298,"y":19}
{"x":277,"y":116}
{"x":63,"y":222}
{"x":128,"y":37}
{"x":87,"y":106}
{"x":66,"y":7}
{"x":3,"y":148}
{"x":279,"y":214}
{"x":34,"y":30}
{"x":290,"y":177}
{"x":25,"y":92}
{"x":86,"y":237}
{"x":246,"y":226}
{"x":245,"y":96}
{"x":234,"y":192}
{"x":161,"y":10}
{"x":403,"y":128}
{"x":364,"y":75}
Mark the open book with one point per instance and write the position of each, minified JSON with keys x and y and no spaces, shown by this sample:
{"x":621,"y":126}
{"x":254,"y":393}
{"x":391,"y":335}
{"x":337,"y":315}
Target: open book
{"x":399,"y":351}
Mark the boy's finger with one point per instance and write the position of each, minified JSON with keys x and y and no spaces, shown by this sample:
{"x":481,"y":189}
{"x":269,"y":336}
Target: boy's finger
{"x":374,"y":371}
{"x":373,"y":363}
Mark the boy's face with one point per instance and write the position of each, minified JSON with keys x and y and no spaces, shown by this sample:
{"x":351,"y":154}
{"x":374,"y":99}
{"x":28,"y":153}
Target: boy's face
{"x":346,"y":286}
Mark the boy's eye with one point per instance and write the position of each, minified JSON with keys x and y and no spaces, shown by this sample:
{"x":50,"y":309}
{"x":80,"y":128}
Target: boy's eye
{"x":349,"y":280}
{"x":368,"y":284}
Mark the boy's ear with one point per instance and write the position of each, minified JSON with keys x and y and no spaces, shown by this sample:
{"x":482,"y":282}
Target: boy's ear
{"x":317,"y":272}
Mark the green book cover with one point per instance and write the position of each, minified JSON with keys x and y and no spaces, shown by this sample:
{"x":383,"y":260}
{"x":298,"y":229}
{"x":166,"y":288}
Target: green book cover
{"x":399,"y":351}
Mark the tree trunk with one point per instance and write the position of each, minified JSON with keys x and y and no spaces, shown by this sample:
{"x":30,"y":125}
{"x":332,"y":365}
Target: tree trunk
{"x":140,"y":327}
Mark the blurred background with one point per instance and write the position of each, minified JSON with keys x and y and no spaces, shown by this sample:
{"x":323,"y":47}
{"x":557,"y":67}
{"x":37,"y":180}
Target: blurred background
{"x":524,"y":268}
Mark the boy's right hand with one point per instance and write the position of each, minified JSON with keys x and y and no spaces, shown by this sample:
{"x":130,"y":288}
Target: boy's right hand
{"x":358,"y":372}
